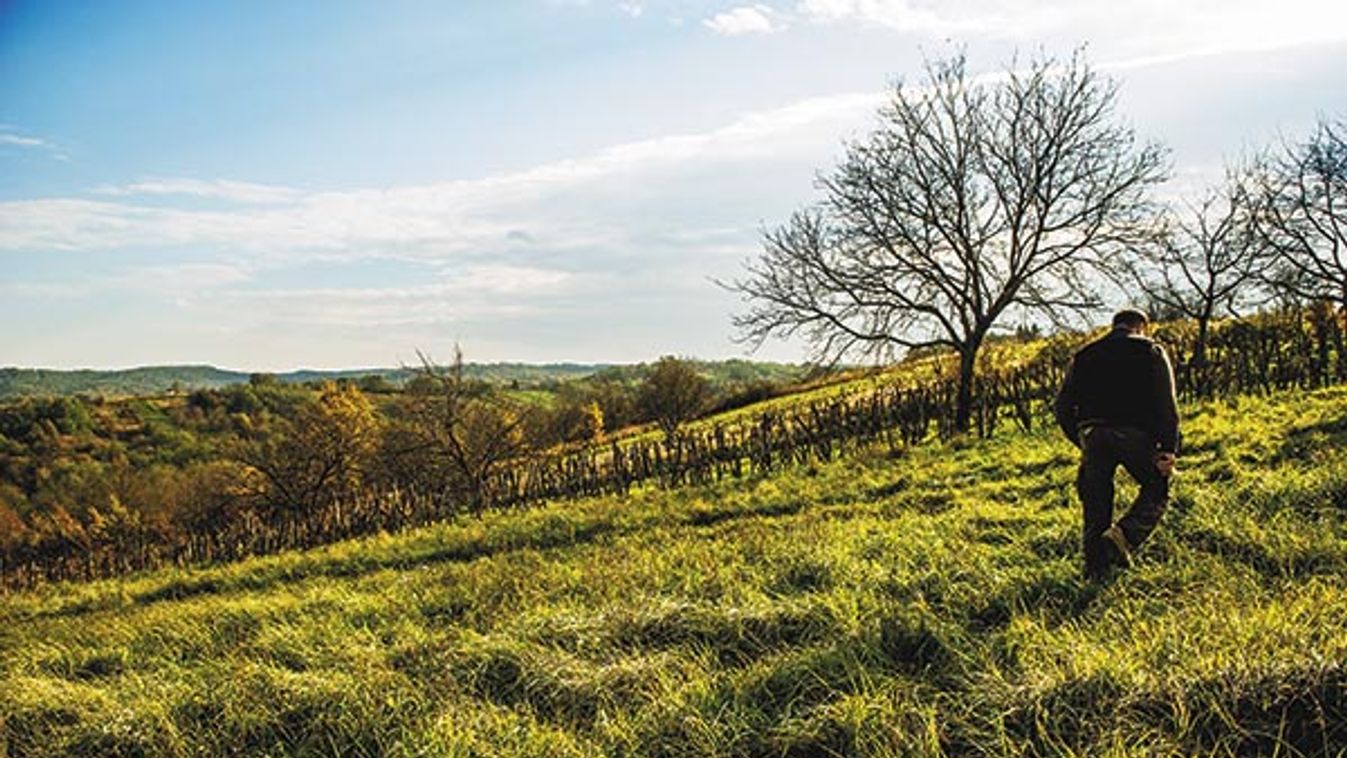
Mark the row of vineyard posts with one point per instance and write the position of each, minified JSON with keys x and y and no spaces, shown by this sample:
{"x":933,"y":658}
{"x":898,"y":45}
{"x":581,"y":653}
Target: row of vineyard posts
{"x":1301,"y":348}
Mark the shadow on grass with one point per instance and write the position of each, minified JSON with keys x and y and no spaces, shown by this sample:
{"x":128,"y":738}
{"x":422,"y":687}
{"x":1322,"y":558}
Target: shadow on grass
{"x":734,"y":637}
{"x":555,"y":534}
{"x":1303,"y":441}
{"x":1055,"y":598}
{"x":1277,"y":713}
{"x":1300,"y":564}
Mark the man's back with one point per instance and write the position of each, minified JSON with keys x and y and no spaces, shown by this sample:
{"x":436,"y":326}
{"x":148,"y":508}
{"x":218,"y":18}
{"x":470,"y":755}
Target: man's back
{"x":1122,"y":379}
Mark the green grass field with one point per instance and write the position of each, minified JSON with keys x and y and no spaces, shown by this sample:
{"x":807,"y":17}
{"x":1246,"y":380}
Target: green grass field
{"x":916,"y":605}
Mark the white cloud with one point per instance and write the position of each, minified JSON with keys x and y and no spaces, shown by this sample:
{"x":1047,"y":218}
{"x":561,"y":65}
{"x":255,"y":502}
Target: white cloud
{"x":1137,"y":27}
{"x":477,"y":292}
{"x":624,"y":237}
{"x":218,"y":189}
{"x":473,"y":281}
{"x":746,"y":19}
{"x":514,"y":280}
{"x":183,"y":278}
{"x":19,"y":141}
{"x":931,"y":18}
{"x":599,"y":207}
{"x":67,"y":224}
{"x":589,"y":257}
{"x":10,"y":136}
{"x":474,"y":292}
{"x":565,"y":205}
{"x":179,"y":280}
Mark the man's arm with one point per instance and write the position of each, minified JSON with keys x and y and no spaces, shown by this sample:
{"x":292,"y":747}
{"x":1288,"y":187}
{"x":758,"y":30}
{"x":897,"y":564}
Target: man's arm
{"x":1167,"y":404}
{"x":1065,"y":407}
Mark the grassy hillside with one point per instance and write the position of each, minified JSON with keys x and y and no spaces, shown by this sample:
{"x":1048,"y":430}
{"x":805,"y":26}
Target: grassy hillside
{"x":917,"y":605}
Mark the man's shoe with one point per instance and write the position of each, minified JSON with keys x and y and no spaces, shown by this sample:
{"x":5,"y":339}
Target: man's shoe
{"x":1123,"y":551}
{"x":1097,"y":574}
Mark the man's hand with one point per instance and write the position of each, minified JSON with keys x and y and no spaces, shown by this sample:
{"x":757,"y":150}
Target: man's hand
{"x":1164,"y":462}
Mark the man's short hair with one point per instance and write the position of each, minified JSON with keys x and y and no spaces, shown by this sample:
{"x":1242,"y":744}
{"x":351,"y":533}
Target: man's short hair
{"x":1130,"y":318}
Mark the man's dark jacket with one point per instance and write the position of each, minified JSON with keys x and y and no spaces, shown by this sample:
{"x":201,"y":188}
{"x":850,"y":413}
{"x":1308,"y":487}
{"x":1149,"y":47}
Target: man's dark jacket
{"x":1120,"y":379}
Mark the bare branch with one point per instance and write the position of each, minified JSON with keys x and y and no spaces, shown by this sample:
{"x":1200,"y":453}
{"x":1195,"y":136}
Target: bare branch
{"x":971,"y":197}
{"x":1300,"y":213}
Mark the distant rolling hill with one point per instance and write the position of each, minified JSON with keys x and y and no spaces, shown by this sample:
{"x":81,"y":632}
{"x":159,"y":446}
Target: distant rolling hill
{"x":150,"y":380}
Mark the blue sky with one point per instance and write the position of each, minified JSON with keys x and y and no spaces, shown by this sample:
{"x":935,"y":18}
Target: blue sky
{"x":269,"y":185}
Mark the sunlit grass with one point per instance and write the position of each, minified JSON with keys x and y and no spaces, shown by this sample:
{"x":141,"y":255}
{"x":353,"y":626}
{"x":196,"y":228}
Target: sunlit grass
{"x":923,"y":604}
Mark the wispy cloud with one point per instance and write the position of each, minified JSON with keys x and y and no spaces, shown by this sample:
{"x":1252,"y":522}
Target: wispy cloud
{"x":745,"y":19}
{"x":929,"y":18}
{"x":179,"y":280}
{"x":523,"y":263}
{"x":11,"y":136}
{"x":595,"y":207}
{"x":217,"y":189}
{"x":629,"y":233}
{"x":18,"y":141}
{"x":573,"y":204}
{"x":487,"y":291}
{"x":1138,"y":27}
{"x":478,"y":291}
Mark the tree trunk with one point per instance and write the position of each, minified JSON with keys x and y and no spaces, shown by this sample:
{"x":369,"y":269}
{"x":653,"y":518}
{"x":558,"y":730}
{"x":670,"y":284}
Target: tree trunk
{"x":963,"y":403}
{"x":1339,"y":329}
{"x":1201,"y":379}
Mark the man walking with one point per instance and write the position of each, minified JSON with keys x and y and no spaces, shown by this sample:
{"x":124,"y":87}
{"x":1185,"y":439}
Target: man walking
{"x":1117,"y":405}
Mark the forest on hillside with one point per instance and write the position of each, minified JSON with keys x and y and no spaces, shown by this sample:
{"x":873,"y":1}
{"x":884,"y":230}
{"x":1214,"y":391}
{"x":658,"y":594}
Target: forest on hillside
{"x":85,"y":469}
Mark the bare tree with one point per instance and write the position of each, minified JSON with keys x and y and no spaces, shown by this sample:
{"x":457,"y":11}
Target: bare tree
{"x":976,"y":198}
{"x":1205,"y":266}
{"x":459,"y":433}
{"x":1301,"y":213}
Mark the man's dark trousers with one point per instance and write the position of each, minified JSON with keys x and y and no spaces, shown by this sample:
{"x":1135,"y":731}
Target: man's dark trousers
{"x":1103,"y":449}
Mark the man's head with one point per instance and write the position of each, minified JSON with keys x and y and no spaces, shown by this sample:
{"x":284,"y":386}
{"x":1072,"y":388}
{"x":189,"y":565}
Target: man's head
{"x":1132,"y":320}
